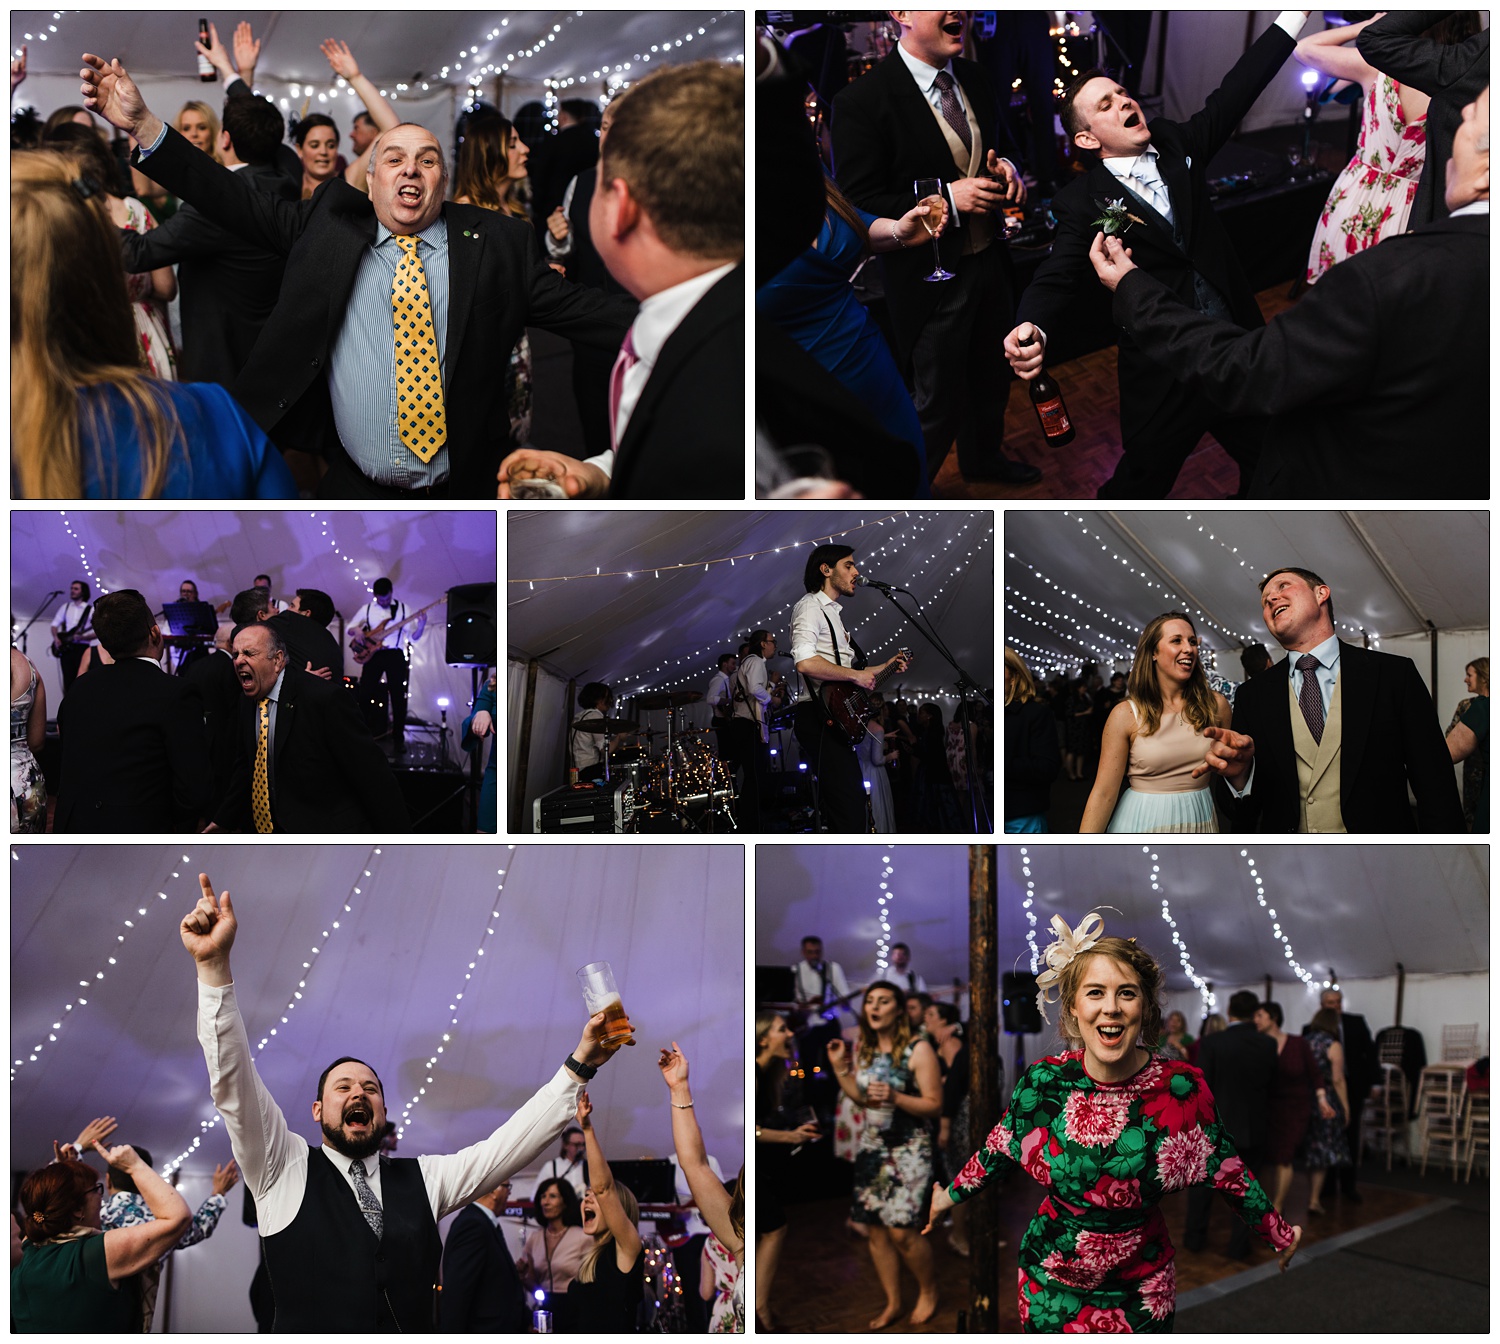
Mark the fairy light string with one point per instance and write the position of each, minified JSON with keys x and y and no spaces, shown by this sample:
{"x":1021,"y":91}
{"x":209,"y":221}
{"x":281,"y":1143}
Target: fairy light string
{"x":884,"y":906}
{"x":1297,"y":969}
{"x":97,"y":586}
{"x":1028,"y":905}
{"x":1209,"y":998}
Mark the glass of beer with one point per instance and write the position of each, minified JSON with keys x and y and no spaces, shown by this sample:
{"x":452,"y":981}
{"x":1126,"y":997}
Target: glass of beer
{"x":602,"y":995}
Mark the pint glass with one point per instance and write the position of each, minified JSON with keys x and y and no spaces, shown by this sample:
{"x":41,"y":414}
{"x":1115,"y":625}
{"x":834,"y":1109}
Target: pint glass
{"x":601,"y":995}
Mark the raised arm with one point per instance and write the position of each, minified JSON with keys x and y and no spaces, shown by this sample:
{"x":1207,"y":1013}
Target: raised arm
{"x":1393,"y":44}
{"x":709,"y":1195}
{"x":602,"y":1182}
{"x":246,"y":53}
{"x":341,"y":61}
{"x":1333,"y":53}
{"x":128,"y":1250}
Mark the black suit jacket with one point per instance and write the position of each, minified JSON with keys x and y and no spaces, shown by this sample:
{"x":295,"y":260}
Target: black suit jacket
{"x":686,"y":436}
{"x":327,"y":774}
{"x":555,"y":162}
{"x":1451,"y":75}
{"x":308,"y":642}
{"x":1239,"y":1065}
{"x":1361,"y":1063}
{"x":885,"y":137}
{"x":499,"y":285}
{"x":211,"y":688}
{"x":1353,"y":399}
{"x":481,"y":1290}
{"x":1391,"y":738}
{"x":134,"y":757}
{"x":1184,"y":149}
{"x":229,"y":287}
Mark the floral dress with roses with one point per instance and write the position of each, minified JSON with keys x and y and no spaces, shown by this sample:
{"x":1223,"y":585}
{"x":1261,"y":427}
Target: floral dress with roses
{"x":893,"y":1167}
{"x":1096,"y":1259}
{"x":1372,"y":197}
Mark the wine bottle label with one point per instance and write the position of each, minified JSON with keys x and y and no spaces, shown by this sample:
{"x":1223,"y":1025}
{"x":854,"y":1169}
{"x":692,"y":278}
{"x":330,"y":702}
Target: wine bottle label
{"x":1054,"y":417}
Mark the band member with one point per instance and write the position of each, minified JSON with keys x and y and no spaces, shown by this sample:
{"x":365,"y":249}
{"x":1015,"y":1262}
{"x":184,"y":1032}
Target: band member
{"x":824,"y":654}
{"x":73,"y":631}
{"x":386,"y":668}
{"x":756,"y":698}
{"x":183,"y":649}
{"x":585,"y":749}
{"x":720,"y":700}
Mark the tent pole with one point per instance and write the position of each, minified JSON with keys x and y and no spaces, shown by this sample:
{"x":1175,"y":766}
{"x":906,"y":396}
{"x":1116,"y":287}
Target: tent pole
{"x":1400,"y":990}
{"x":523,"y":752}
{"x":984,"y":1083}
{"x":567,"y":742}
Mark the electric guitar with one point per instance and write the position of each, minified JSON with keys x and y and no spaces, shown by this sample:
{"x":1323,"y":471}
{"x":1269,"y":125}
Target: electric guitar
{"x":367,"y":641}
{"x":848,"y":705}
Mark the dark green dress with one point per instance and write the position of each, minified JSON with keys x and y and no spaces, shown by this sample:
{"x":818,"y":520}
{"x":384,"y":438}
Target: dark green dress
{"x":64,"y":1287}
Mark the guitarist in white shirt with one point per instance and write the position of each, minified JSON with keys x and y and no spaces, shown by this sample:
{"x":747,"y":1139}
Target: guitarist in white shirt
{"x":376,"y":621}
{"x":756,"y":697}
{"x":823,"y":653}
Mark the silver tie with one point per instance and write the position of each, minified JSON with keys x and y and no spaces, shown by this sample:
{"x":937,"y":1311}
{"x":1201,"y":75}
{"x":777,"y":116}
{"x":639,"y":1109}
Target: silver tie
{"x":368,"y":1204}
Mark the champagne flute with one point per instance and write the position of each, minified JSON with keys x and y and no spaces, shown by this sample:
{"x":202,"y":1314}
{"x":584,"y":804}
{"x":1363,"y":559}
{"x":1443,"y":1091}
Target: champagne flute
{"x":925,"y":187}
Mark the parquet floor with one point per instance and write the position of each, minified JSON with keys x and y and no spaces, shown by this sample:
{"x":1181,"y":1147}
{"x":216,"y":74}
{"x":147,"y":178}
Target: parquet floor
{"x":1077,"y":471}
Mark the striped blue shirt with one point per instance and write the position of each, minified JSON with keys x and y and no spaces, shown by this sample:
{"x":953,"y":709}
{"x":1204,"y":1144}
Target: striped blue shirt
{"x":362,"y":376}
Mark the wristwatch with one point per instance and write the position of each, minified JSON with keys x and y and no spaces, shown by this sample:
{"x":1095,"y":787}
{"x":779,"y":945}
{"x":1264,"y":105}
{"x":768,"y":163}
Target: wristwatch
{"x":584,"y":1071}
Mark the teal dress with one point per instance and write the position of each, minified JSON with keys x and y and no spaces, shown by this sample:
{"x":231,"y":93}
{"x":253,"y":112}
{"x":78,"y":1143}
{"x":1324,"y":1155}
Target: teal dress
{"x":63,"y":1287}
{"x":489,"y":788}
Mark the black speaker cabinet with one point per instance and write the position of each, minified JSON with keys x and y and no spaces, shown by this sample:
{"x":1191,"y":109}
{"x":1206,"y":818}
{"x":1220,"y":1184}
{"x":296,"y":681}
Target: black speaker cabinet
{"x":1018,"y":1008}
{"x":473,"y":636}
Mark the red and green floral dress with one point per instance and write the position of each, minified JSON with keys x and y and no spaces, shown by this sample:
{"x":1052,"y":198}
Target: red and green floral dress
{"x":1096,"y":1258}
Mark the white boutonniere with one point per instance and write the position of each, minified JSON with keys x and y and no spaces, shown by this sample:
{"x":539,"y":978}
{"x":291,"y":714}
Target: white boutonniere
{"x":1115,"y":219}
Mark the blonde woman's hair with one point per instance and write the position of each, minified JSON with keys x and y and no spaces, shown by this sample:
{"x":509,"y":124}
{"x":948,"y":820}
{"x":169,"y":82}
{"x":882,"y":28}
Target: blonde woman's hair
{"x":869,"y":1042}
{"x":606,"y":1238}
{"x":1481,"y":669}
{"x":72,"y":336}
{"x":212,"y":118}
{"x":1199,"y":707}
{"x":1129,"y":954}
{"x":1019,"y":684}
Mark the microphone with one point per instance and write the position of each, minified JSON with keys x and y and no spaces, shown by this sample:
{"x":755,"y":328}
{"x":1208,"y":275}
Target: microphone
{"x":874,"y":583}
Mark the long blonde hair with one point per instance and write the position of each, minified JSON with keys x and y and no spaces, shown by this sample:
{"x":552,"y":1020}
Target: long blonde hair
{"x":1199,"y":708}
{"x":606,"y":1238}
{"x":212,"y":118}
{"x":869,"y":1041}
{"x":1019,"y":685}
{"x":72,"y":329}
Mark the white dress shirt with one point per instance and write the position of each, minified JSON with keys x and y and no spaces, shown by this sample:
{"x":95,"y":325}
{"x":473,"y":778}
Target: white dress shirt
{"x":274,"y":1160}
{"x":752,"y":695}
{"x":811,"y":637}
{"x":809,"y":982}
{"x":719,"y":693}
{"x":68,"y":616}
{"x":915,"y":985}
{"x":560,"y":1169}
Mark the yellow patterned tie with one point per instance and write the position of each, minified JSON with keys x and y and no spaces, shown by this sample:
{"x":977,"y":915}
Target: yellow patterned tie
{"x":419,"y":380}
{"x":260,"y":781}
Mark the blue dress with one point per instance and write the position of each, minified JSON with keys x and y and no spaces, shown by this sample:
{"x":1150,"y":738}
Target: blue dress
{"x":228,"y":455}
{"x":814,"y":303}
{"x":489,"y":788}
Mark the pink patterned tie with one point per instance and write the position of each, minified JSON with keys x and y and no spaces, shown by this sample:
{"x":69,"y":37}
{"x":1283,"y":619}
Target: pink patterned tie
{"x":624,"y":362}
{"x":1311,"y":697}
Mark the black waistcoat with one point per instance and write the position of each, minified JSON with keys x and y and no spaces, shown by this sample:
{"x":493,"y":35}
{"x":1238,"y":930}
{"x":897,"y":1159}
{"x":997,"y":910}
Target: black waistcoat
{"x":328,"y":1270}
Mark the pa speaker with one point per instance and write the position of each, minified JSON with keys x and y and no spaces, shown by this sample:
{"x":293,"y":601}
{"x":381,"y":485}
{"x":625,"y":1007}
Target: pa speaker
{"x":472,"y":628}
{"x":1018,"y":1008}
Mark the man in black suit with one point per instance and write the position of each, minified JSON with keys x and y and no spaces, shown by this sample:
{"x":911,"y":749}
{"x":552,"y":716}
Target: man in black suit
{"x":211,"y":689}
{"x":328,"y":373}
{"x":302,"y":627}
{"x":134,"y":758}
{"x":229,"y":287}
{"x":668,"y":220}
{"x":1329,"y":740}
{"x":1452,"y":75}
{"x":572,"y":152}
{"x":1389,"y":343}
{"x":482,"y":1293}
{"x":924,"y":113}
{"x":1361,"y":1073}
{"x":319,"y":770}
{"x":1153,"y":178}
{"x":1239,"y":1066}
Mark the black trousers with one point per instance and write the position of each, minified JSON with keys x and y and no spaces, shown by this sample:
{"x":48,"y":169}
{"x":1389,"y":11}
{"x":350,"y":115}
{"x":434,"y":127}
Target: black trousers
{"x":1155,"y":452}
{"x":70,"y":655}
{"x":841,"y":785}
{"x":1348,"y":1175}
{"x":388,"y":665}
{"x":1200,"y":1203}
{"x":753,"y":756}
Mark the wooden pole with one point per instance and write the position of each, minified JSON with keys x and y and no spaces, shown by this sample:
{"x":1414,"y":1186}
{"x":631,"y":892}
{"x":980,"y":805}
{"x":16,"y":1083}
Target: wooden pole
{"x":523,"y":753}
{"x":984,"y":1084}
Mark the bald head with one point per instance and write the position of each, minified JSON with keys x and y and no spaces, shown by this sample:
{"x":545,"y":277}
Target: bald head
{"x":408,"y":178}
{"x":1468,"y":168}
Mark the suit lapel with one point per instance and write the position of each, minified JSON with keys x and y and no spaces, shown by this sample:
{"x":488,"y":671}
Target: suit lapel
{"x":1357,"y":692}
{"x":1174,"y":172}
{"x":914,"y":111}
{"x":286,"y":711}
{"x":465,"y":250}
{"x":1104,"y":187}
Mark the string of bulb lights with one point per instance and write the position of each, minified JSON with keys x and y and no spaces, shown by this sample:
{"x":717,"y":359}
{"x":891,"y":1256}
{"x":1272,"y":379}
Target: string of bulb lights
{"x":97,"y":586}
{"x":1296,"y":967}
{"x":1028,"y":904}
{"x":883,"y":909}
{"x":1205,"y":991}
{"x":206,"y":1127}
{"x":101,"y":970}
{"x":326,"y":524}
{"x":43,"y":32}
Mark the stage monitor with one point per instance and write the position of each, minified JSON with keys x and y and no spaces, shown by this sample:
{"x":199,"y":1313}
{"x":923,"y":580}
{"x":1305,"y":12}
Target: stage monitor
{"x":473,"y":631}
{"x":1018,"y":1004}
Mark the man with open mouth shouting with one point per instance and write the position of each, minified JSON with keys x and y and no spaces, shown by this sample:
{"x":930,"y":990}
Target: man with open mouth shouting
{"x":1150,"y":189}
{"x":351,"y":1239}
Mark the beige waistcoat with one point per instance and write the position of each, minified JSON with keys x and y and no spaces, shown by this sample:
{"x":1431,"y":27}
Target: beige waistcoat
{"x":1318,"y":764}
{"x":977,"y":231}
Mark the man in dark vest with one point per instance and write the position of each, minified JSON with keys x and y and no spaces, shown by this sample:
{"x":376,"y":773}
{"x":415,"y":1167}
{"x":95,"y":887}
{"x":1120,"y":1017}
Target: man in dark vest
{"x":350,"y":1237}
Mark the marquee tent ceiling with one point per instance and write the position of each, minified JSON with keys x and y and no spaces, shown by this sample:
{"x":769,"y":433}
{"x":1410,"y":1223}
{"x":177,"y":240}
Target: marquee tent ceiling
{"x":1359,"y":908}
{"x":380,"y":987}
{"x":657,"y":618}
{"x":1083,"y":584}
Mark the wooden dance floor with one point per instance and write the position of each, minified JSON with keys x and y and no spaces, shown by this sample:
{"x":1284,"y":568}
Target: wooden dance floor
{"x":826,"y":1282}
{"x":1077,"y":471}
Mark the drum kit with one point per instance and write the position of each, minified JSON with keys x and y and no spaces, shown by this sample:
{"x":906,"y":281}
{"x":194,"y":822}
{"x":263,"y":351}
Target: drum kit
{"x":674,"y":778}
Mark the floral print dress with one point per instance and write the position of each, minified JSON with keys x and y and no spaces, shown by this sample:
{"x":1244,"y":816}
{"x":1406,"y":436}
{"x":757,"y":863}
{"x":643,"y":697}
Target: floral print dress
{"x":1372,"y":198}
{"x":893,"y":1167}
{"x":1096,"y":1258}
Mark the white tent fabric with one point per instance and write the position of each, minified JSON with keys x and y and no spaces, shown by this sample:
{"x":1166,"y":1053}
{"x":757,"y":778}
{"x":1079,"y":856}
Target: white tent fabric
{"x":1356,"y":910}
{"x":668,"y":600}
{"x":423,"y":553}
{"x":432,"y":53}
{"x":407,"y":938}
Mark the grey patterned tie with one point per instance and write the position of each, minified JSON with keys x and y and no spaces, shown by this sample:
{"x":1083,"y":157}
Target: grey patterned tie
{"x":368,"y":1204}
{"x":953,"y":114}
{"x":1311,"y":697}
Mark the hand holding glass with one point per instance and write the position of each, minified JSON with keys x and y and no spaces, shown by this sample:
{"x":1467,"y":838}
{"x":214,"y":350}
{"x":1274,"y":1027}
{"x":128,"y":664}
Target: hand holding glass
{"x":926,"y":187}
{"x":601,"y":995}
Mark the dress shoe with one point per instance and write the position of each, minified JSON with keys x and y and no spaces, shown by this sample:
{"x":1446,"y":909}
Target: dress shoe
{"x":1007,"y":471}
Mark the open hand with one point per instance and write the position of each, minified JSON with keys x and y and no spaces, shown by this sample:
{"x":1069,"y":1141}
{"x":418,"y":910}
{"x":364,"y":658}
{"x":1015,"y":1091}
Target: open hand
{"x":246,"y":50}
{"x":674,"y":1066}
{"x":1025,"y":360}
{"x":209,"y":927}
{"x":99,"y":1128}
{"x":584,"y":1109}
{"x":225,"y":1177}
{"x":1229,"y":754}
{"x":1286,"y":1255}
{"x":1111,"y":260}
{"x":340,"y":58}
{"x":18,"y":71}
{"x":1004,"y":170}
{"x":941,"y":1203}
{"x":109,"y":90}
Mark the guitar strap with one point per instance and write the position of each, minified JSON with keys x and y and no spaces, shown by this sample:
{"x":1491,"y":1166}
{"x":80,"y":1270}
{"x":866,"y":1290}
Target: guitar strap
{"x":67,"y":635}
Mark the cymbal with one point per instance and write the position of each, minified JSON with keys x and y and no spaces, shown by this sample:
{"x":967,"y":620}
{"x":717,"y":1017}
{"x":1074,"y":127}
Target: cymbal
{"x":668,"y":699}
{"x":605,"y":726}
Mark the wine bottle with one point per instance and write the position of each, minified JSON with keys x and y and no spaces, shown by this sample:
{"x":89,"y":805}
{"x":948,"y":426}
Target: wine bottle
{"x":206,"y":71}
{"x":1047,"y":401}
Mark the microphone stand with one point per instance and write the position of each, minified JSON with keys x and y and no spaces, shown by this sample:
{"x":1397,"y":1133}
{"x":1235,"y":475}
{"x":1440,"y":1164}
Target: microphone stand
{"x":967,"y":687}
{"x":35,"y":617}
